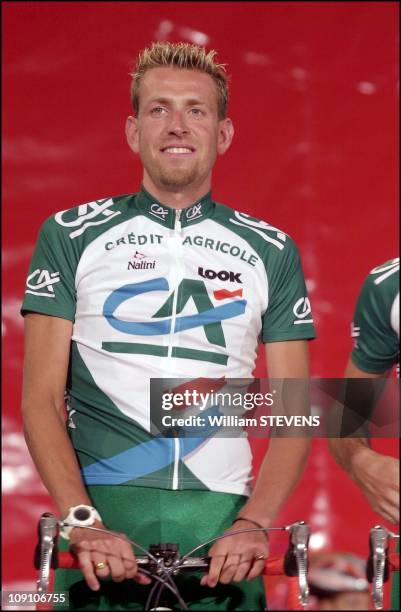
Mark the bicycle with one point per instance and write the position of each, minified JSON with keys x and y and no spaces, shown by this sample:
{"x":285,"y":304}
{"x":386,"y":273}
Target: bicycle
{"x":163,"y":562}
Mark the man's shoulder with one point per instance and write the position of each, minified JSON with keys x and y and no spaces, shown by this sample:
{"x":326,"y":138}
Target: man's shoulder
{"x":385,"y":277}
{"x":380,"y":289}
{"x":96,"y":215}
{"x":258,"y":231}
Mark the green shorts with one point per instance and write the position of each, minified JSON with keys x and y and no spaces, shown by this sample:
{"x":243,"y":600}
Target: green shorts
{"x":153,"y":516}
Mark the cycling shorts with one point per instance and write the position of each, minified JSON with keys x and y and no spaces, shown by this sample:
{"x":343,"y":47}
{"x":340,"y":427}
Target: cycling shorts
{"x":153,"y":516}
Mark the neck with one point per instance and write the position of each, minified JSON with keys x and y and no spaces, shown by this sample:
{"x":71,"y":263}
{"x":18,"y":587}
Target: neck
{"x":177,"y":198}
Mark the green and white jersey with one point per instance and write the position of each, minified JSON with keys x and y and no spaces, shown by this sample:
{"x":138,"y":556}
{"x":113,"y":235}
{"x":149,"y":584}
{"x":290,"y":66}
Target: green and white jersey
{"x":159,"y":293}
{"x":376,"y":327}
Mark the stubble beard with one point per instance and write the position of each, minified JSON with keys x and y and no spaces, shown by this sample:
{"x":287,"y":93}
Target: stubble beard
{"x":177,"y":179}
{"x":171,"y":178}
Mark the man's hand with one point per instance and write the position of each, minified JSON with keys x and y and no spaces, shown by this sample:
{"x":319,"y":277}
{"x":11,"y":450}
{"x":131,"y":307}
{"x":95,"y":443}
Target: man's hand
{"x":93,"y":547}
{"x":235,"y":558}
{"x":378,"y":476}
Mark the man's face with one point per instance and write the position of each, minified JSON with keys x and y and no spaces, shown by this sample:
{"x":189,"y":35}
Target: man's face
{"x":177,"y":132}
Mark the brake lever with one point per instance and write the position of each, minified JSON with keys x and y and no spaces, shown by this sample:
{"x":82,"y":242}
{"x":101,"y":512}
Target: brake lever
{"x":298,"y":550}
{"x":47,"y":537}
{"x":378,"y":562}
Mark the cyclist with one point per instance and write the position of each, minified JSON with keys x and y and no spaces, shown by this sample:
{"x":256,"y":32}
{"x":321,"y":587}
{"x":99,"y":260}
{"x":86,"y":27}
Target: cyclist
{"x":162,"y":283}
{"x":375,"y":329}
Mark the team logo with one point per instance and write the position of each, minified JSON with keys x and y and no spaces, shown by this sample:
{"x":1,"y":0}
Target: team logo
{"x":301,"y":310}
{"x":94,"y":213}
{"x":159,"y":211}
{"x":260,"y":227}
{"x":162,"y":322}
{"x":194,"y":212}
{"x":140,"y":262}
{"x":223,"y":275}
{"x":41,"y":282}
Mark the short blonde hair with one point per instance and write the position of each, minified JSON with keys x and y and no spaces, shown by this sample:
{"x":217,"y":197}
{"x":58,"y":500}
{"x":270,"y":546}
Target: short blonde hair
{"x":186,"y":56}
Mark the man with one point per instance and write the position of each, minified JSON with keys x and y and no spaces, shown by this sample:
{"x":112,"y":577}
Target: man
{"x":376,"y":350}
{"x":163,"y":283}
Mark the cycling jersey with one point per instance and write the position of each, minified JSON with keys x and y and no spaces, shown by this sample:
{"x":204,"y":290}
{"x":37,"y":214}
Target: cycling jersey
{"x":155,"y":292}
{"x":376,"y":327}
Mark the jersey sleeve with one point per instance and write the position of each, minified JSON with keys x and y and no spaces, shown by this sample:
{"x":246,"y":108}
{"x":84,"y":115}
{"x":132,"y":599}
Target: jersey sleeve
{"x":288,"y":315}
{"x":50,"y":284}
{"x":375,"y":342}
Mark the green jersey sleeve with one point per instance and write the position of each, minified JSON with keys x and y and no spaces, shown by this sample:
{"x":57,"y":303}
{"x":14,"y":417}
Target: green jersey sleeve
{"x":376,"y":346}
{"x":288,"y":315}
{"x":50,"y":284}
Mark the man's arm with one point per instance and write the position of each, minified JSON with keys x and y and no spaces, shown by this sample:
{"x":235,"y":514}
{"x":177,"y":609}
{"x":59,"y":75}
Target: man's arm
{"x":286,"y":457}
{"x":47,"y":349}
{"x":280,"y":471}
{"x":377,"y":475}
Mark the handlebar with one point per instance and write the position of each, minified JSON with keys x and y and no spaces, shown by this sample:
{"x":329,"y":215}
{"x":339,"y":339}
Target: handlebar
{"x":274,"y":566}
{"x":163,"y":561}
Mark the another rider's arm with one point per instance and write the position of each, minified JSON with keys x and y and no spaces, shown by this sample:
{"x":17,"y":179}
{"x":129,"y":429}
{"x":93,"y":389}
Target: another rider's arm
{"x":377,"y":475}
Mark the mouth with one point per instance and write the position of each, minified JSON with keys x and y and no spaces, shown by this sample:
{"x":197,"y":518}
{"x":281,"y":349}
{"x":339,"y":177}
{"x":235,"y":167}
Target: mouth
{"x":178,"y":150}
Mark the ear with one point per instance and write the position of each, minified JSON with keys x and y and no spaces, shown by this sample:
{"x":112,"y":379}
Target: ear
{"x":131,"y":132}
{"x":225,"y":135}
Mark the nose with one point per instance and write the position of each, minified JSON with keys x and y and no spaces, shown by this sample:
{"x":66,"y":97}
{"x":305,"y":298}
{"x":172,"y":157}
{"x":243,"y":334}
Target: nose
{"x":178,"y":125}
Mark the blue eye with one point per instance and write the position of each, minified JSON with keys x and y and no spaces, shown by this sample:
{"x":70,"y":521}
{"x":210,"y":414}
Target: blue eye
{"x":157,"y":110}
{"x":196,"y":111}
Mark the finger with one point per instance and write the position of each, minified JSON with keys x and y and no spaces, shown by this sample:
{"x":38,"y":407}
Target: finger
{"x":131,"y":566}
{"x":116,"y":565}
{"x":212,"y":578}
{"x":116,"y":551}
{"x":242,"y":570}
{"x":392,"y":497}
{"x":229,"y":569}
{"x":142,"y":578}
{"x":86,"y":565}
{"x":390,"y":509}
{"x":100,"y":557}
{"x":392,"y":515}
{"x":256,"y":569}
{"x":132,"y":572}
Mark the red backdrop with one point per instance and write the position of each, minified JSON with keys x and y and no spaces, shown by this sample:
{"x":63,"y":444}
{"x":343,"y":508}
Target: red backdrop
{"x":314,"y":103}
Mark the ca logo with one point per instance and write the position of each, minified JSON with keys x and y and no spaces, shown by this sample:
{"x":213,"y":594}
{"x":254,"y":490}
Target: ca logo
{"x":161,"y":322}
{"x":194,"y":212}
{"x":158,"y":211}
{"x":86,"y":215}
{"x":43,"y":285}
{"x":301,"y":310}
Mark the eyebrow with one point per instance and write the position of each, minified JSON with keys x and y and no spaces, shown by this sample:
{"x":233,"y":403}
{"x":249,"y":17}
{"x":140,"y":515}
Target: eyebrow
{"x":189,"y":102}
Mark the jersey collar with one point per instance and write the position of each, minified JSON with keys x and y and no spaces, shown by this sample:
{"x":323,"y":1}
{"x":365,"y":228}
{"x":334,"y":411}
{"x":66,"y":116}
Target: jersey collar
{"x":165,"y":215}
